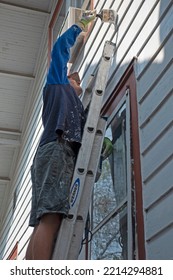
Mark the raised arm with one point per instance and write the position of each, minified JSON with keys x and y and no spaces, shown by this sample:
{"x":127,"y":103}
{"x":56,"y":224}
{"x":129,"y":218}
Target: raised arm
{"x":60,"y":56}
{"x":61,"y":51}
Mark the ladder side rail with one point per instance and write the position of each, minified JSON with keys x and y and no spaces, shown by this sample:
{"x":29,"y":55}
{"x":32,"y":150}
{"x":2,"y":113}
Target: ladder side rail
{"x":88,"y":91}
{"x":100,"y":83}
{"x":71,"y":231}
{"x":91,"y":123}
{"x":91,"y":83}
{"x":92,"y":166}
{"x":63,"y":241}
{"x":86,"y":196}
{"x":69,"y":224}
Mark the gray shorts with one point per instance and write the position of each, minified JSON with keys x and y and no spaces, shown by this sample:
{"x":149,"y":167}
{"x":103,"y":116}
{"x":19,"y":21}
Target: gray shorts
{"x":51,"y":175}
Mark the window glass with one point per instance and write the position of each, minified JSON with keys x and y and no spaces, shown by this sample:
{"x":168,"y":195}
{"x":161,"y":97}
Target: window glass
{"x":109,"y":208}
{"x":110,"y":241}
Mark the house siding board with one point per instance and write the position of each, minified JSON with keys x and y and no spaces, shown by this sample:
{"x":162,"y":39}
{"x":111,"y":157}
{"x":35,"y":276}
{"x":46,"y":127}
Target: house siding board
{"x":21,"y":212}
{"x":129,"y":42}
{"x":161,"y":247}
{"x":158,"y":123}
{"x":164,"y":207}
{"x":157,"y":82}
{"x":145,"y":32}
{"x":4,"y":231}
{"x":156,"y":69}
{"x":23,"y":183}
{"x":16,"y":230}
{"x":158,"y":155}
{"x":156,"y":29}
{"x":154,"y":190}
{"x":155,"y":103}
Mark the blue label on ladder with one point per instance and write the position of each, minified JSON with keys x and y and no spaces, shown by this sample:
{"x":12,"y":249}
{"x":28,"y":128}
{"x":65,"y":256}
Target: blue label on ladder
{"x":74,"y":192}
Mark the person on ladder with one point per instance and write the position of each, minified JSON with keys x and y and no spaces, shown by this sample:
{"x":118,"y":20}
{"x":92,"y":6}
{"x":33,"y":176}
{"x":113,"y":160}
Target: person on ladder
{"x":63,"y":120}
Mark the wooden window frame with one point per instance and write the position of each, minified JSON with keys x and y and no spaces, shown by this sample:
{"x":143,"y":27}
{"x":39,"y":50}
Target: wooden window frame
{"x":128,"y":81}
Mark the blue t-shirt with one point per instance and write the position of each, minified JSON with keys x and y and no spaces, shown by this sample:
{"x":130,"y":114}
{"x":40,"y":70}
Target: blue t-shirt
{"x":63,"y":111}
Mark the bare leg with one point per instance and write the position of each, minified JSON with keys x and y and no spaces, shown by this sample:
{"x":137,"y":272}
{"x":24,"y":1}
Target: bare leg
{"x":30,"y":245}
{"x":42,"y":240}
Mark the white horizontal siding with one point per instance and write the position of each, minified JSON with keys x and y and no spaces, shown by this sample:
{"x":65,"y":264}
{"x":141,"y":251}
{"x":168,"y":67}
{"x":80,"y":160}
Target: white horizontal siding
{"x":159,"y":85}
{"x":155,"y":71}
{"x":155,"y":97}
{"x":23,"y":189}
{"x":140,"y":25}
{"x":154,"y":190}
{"x":160,"y":213}
{"x":161,"y":247}
{"x":159,"y":26}
{"x":159,"y":125}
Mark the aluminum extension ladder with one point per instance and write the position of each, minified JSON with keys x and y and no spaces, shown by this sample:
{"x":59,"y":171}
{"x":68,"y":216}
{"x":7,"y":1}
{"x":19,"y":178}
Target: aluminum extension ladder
{"x":70,"y":235}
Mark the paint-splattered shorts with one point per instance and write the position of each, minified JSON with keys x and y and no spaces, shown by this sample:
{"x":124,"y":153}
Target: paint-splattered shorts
{"x":51,"y":175}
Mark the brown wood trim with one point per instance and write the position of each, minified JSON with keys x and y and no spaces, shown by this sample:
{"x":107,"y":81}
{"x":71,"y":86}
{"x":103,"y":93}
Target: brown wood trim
{"x":137,"y":169}
{"x":14,"y":253}
{"x":118,"y":92}
{"x":128,"y":80}
{"x":50,"y":28}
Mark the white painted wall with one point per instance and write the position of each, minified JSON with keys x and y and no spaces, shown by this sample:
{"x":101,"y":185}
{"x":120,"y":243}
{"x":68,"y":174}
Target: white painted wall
{"x":144,"y":31}
{"x":155,"y":97}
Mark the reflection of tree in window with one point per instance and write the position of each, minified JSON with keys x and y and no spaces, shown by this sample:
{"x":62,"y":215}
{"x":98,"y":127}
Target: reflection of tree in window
{"x":110,"y":192}
{"x":118,"y":162}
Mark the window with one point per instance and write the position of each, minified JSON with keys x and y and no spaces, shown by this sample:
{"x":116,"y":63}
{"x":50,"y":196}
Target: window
{"x":116,"y":214}
{"x":112,"y":198}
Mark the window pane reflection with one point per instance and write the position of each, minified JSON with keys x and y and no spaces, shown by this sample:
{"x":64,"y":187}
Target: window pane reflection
{"x":110,"y":192}
{"x":110,"y":241}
